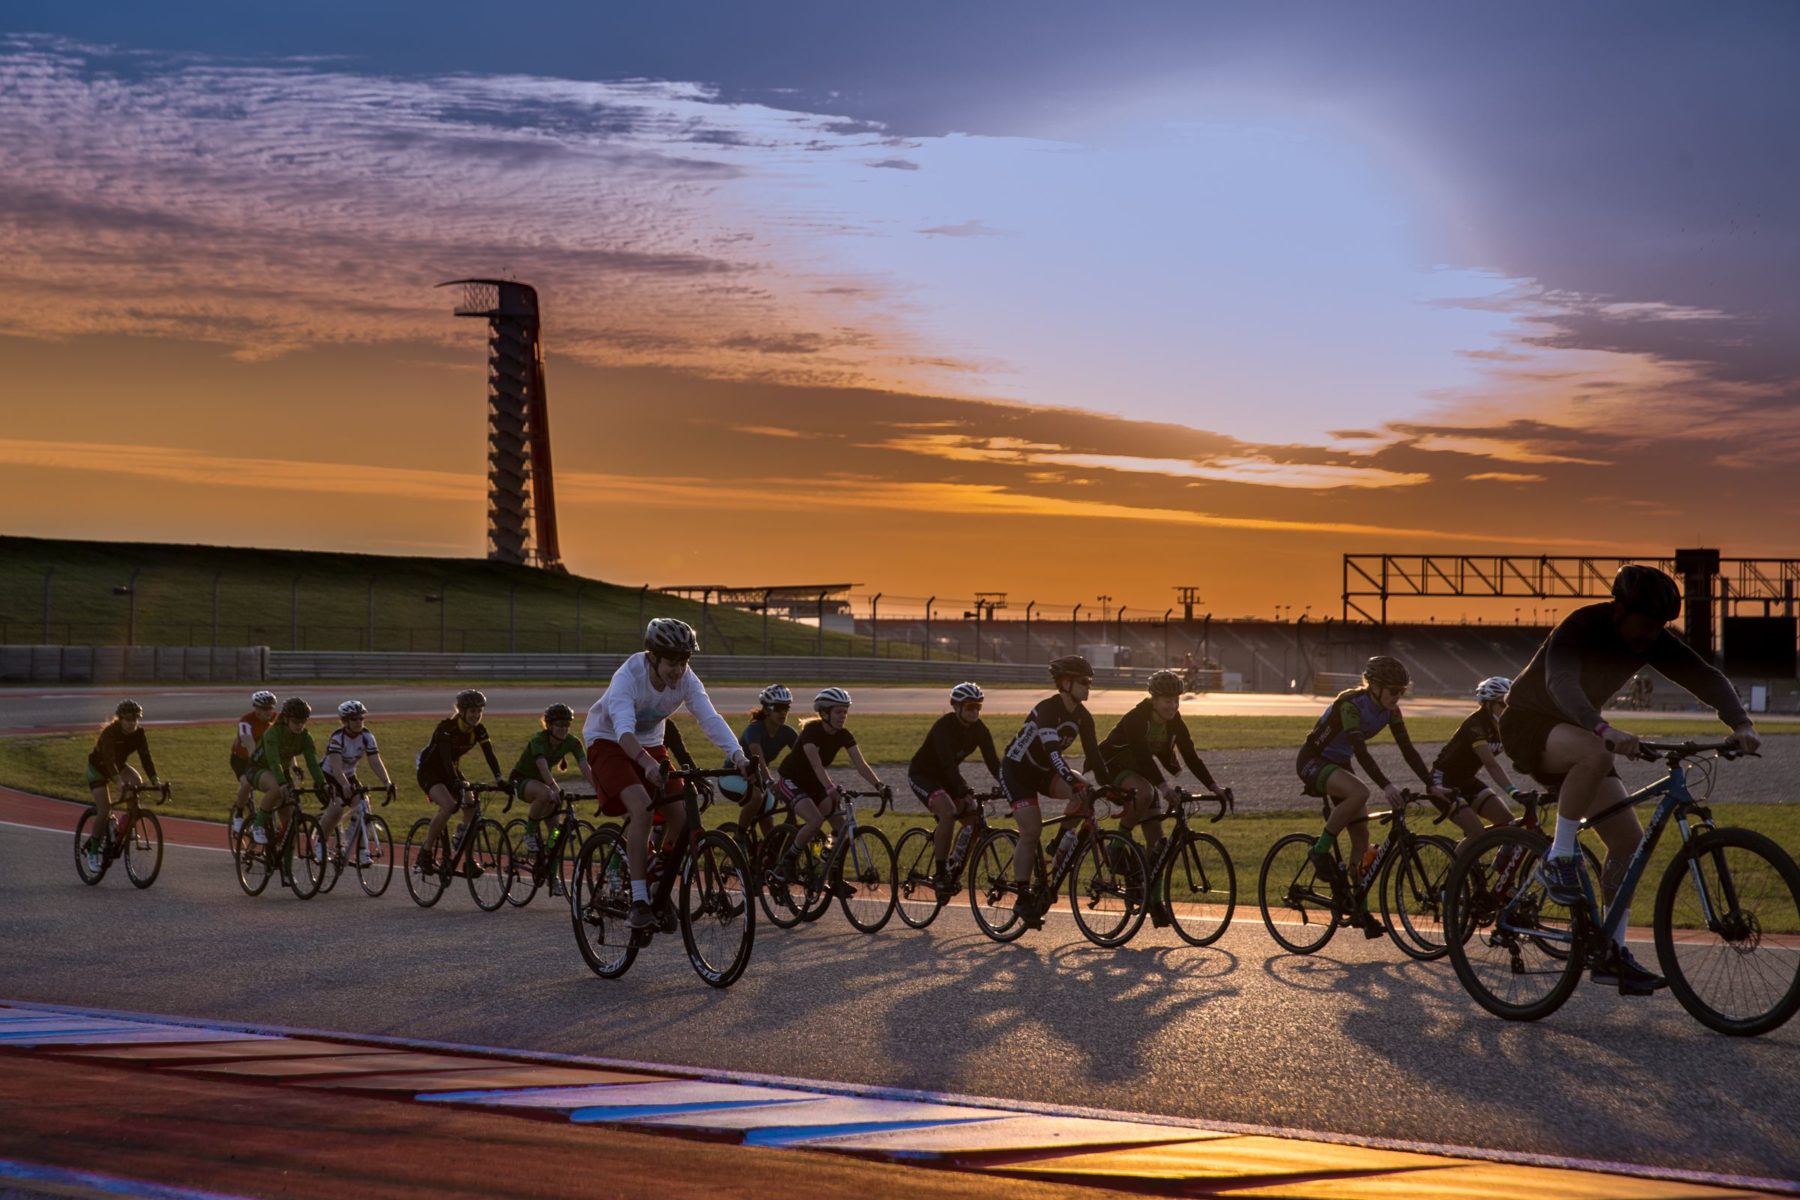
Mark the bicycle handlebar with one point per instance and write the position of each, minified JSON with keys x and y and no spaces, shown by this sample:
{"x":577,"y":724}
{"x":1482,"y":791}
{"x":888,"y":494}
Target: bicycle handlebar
{"x":137,"y":789}
{"x":1673,"y":752}
{"x":1225,"y":801}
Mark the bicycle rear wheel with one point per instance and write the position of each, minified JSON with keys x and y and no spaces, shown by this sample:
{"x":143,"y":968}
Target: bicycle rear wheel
{"x":865,"y":863}
{"x":993,"y":896}
{"x":144,"y":850}
{"x":1738,"y":972}
{"x":84,"y":828}
{"x":718,"y":916}
{"x":1412,"y":895}
{"x":780,"y":900}
{"x":491,"y":857}
{"x":1107,"y":889}
{"x":426,"y":887}
{"x":599,"y":905}
{"x":915,"y":862}
{"x":305,"y":871}
{"x":378,"y":840}
{"x":1499,"y":922}
{"x":521,"y":865}
{"x":1298,"y":907}
{"x":1198,"y":889}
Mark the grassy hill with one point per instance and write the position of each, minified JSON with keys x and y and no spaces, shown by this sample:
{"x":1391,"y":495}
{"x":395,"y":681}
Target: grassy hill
{"x":330,"y":601}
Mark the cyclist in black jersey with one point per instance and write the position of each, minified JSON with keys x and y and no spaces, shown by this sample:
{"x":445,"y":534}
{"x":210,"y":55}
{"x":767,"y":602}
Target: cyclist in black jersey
{"x":764,"y":740}
{"x":808,"y":786}
{"x":935,"y":773}
{"x":1455,"y":782}
{"x":440,"y":775}
{"x":106,"y":764}
{"x":1146,"y":750}
{"x":1034,"y":766}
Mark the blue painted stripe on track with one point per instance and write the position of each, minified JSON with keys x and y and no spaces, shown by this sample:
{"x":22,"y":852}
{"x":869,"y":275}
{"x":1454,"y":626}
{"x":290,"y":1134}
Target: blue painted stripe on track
{"x":783,"y":1135}
{"x":598,"y":1114}
{"x":111,"y":1185}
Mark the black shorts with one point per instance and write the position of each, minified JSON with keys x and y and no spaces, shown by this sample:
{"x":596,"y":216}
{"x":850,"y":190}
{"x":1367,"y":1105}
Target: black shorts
{"x":1315,"y":771}
{"x":1023,"y":784}
{"x":429,"y":779}
{"x":1523,"y":733}
{"x":925,"y":789}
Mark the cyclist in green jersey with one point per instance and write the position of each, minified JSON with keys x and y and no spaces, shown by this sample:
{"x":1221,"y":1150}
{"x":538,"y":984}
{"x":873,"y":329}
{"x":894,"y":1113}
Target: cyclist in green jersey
{"x":285,"y":741}
{"x":106,"y":763}
{"x":533,"y":777}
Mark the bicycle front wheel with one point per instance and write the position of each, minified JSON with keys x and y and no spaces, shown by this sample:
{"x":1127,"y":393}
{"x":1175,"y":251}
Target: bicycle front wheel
{"x":426,"y":887}
{"x":521,"y":865}
{"x":1727,"y":925}
{"x":84,"y":829}
{"x":1197,"y":888}
{"x":144,"y":850}
{"x":993,"y":896}
{"x":491,"y":859}
{"x":1516,"y":951}
{"x":1107,"y":888}
{"x":1412,"y":896}
{"x":600,"y":904}
{"x":915,"y":863}
{"x":1298,"y":906}
{"x":862,"y":874}
{"x":718,"y":913}
{"x":255,"y":864}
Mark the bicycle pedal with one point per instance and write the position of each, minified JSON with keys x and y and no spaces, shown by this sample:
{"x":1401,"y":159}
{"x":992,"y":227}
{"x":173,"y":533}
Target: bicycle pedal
{"x":640,"y":938}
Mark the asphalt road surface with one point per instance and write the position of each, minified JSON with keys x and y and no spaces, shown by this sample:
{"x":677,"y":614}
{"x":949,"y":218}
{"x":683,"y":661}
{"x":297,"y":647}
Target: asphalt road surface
{"x":1354,"y":1040}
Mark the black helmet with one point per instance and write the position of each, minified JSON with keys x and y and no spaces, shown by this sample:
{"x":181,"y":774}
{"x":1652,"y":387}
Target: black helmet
{"x":667,"y":636}
{"x":1383,"y":671}
{"x":129,"y":708}
{"x":470,"y":698}
{"x":1648,"y":591}
{"x":1165,"y":683}
{"x":1070,"y":665}
{"x":557,"y":713}
{"x":296,"y":707}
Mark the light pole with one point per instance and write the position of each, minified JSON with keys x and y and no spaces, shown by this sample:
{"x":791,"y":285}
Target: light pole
{"x":129,"y":591}
{"x":1167,"y":613}
{"x":1028,"y":609}
{"x":874,"y":626}
{"x":1104,"y":601}
{"x":1075,"y":630}
{"x":928,"y":604}
{"x":441,"y":598}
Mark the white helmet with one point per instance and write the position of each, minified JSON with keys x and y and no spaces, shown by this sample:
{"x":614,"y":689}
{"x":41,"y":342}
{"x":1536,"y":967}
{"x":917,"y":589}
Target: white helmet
{"x":352,"y":708}
{"x":831,"y":697}
{"x":262,"y":699}
{"x":1494,"y":687}
{"x":774,"y":694}
{"x":964,"y":693}
{"x":666,"y":636}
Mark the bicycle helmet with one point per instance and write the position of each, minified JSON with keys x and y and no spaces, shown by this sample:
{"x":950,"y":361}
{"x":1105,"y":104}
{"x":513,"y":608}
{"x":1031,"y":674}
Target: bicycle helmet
{"x":353,"y":710}
{"x":1494,"y":687}
{"x":831,"y":697}
{"x":966,"y":693}
{"x":1383,"y":671}
{"x":129,"y":708}
{"x":470,"y":698}
{"x":558,"y":714}
{"x":1165,"y":683}
{"x":296,"y":708}
{"x":1070,"y":665}
{"x":667,"y":636}
{"x":774,"y":694}
{"x":1648,"y":591}
{"x":262,"y":699}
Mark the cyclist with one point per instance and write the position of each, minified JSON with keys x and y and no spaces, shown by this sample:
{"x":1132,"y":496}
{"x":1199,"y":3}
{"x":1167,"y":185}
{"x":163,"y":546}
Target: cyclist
{"x":807,"y":781}
{"x":533,"y":777}
{"x":440,"y":771}
{"x":250,"y":728}
{"x":349,"y":745}
{"x":625,"y":732}
{"x":119,"y":739}
{"x":935,"y":773}
{"x":1324,"y":767}
{"x":1553,"y":730}
{"x":1034,"y":767}
{"x":1473,"y":748}
{"x":283,"y":742}
{"x":1140,"y":755}
{"x":764,"y":739}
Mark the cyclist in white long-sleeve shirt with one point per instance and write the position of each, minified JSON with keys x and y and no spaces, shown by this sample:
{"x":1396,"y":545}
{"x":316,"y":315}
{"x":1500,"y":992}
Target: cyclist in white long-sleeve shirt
{"x":624,"y":734}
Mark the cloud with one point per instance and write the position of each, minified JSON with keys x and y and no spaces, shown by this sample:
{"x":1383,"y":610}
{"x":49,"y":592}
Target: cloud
{"x":963,"y":229}
{"x":1505,"y":477}
{"x":895,"y":164}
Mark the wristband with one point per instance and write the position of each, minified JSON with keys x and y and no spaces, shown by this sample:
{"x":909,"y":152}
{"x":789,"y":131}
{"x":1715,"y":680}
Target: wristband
{"x":1603,"y":729}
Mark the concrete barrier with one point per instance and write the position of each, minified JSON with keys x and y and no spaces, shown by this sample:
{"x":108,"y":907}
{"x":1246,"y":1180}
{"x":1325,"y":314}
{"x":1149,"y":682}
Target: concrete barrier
{"x":136,"y":664}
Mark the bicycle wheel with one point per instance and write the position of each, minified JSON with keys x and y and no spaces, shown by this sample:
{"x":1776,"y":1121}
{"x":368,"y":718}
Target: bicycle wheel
{"x":378,"y":840}
{"x":1298,"y":907}
{"x":600,"y":903}
{"x":780,"y":900}
{"x":426,"y":887}
{"x":1412,"y":895}
{"x":491,"y":857}
{"x":1726,"y":924}
{"x":915,"y":862}
{"x":84,"y":827}
{"x":993,"y":896}
{"x":304,"y":870}
{"x":718,"y":917}
{"x":144,"y":850}
{"x":864,"y":864}
{"x":255,"y":864}
{"x":562,"y":862}
{"x":1106,"y":889}
{"x":1498,"y":921}
{"x":521,"y":865}
{"x":1198,"y":889}
{"x":334,"y":857}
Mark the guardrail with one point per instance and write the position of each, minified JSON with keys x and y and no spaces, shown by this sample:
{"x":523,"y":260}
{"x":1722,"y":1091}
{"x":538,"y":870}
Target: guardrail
{"x":133,"y":664}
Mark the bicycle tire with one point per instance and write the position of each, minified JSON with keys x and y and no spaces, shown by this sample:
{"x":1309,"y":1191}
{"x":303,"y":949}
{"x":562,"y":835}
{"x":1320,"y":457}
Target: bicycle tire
{"x":1497,"y":920}
{"x":426,"y":888}
{"x":777,"y":899}
{"x":255,"y":864}
{"x":304,"y":872}
{"x":491,"y":856}
{"x":717,"y":898}
{"x":1411,"y":892}
{"x":143,"y":852}
{"x":600,"y":906}
{"x":1747,"y":906}
{"x":521,"y":869}
{"x":993,"y":897}
{"x":1107,"y":888}
{"x":865,"y":862}
{"x":375,"y":877}
{"x":83,"y":824}
{"x":1298,"y":901}
{"x":915,"y":862}
{"x":1197,"y":888}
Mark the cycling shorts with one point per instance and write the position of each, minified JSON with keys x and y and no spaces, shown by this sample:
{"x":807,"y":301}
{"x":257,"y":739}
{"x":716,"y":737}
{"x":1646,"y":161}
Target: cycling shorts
{"x":924,"y":790}
{"x":1023,"y":784}
{"x":615,"y":772}
{"x":1315,"y":773}
{"x":240,"y":766}
{"x":430,"y":779}
{"x":1524,"y":733}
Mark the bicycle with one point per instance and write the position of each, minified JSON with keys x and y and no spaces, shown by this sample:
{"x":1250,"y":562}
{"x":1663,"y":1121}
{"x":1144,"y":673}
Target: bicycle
{"x":715,"y":914}
{"x":1193,"y":886}
{"x":290,"y":841}
{"x":1105,"y":871}
{"x":918,"y":895}
{"x":365,"y":831}
{"x":553,"y":863}
{"x":1729,"y":944}
{"x":137,"y":838}
{"x":855,"y":864}
{"x":763,"y":852}
{"x":1406,"y":876}
{"x":477,"y":852}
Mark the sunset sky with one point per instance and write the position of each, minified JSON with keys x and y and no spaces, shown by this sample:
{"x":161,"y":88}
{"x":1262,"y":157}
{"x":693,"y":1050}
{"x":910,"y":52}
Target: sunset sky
{"x":1051,"y":298}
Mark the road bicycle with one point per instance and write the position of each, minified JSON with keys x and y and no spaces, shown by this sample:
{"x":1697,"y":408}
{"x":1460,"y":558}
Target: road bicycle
{"x":920,"y":895}
{"x":1193,"y":886}
{"x":136,"y":837}
{"x":292,"y":833}
{"x":1725,"y":920}
{"x":360,"y":833}
{"x":714,"y":910}
{"x":1104,"y":870}
{"x":477,"y":852}
{"x":854,"y":864}
{"x":552,"y":864}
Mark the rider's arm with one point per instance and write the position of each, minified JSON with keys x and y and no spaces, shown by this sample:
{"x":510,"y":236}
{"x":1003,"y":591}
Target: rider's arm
{"x":818,"y":766}
{"x":1184,"y":744}
{"x":487,"y":751}
{"x":334,"y":766}
{"x":1676,"y":659}
{"x":1408,"y":751}
{"x":141,"y":742}
{"x":711,"y":723}
{"x":1495,"y":771}
{"x":245,"y":744}
{"x":863,"y":768}
{"x":1562,"y":676}
{"x":545,"y":772}
{"x":373,"y":756}
{"x":1360,"y":745}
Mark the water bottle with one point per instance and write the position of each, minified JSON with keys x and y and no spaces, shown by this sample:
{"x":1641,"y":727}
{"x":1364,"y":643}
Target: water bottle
{"x":1368,"y":860}
{"x":1064,"y":846}
{"x":555,"y":837}
{"x":456,"y":838}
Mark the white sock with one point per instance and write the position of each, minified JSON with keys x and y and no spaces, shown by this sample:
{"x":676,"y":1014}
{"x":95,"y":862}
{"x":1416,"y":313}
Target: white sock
{"x":1566,"y":831}
{"x":1619,"y":936}
{"x":640,"y":892}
